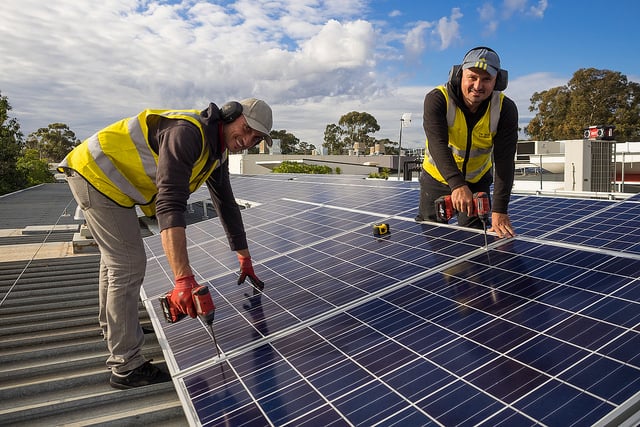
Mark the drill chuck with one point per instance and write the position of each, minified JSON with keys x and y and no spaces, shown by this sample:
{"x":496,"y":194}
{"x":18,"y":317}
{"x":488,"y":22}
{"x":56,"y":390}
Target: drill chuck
{"x":204,"y":304}
{"x":481,"y":205}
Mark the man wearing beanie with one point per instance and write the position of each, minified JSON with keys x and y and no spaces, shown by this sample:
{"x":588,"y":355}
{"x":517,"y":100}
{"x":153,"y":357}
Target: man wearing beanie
{"x":155,"y":160}
{"x":472,"y":131}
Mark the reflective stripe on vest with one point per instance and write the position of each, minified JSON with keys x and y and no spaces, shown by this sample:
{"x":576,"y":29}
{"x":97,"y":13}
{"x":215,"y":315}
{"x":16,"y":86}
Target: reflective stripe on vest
{"x":479,"y":161}
{"x":119,"y":162}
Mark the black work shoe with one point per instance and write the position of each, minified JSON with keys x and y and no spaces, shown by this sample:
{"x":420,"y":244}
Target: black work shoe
{"x":419,"y":218}
{"x":144,"y":374}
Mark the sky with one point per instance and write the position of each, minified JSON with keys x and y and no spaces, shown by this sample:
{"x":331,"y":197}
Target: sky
{"x":90,"y":63}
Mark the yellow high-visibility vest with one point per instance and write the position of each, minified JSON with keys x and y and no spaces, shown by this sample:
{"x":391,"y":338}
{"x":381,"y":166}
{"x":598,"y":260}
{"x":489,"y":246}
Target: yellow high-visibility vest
{"x":119,"y":162}
{"x":479,"y":161}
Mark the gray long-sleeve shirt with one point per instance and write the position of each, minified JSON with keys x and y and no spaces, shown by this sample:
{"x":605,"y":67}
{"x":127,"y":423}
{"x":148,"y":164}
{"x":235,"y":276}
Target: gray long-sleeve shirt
{"x":179,"y":144}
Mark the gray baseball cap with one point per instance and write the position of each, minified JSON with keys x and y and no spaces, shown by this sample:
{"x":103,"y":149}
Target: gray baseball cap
{"x":483,"y":58}
{"x":259,"y":116}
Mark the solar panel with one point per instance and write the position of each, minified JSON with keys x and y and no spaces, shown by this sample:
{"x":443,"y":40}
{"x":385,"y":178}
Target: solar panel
{"x":538,"y":215}
{"x":419,"y":327}
{"x":614,"y":228}
{"x":635,"y":198}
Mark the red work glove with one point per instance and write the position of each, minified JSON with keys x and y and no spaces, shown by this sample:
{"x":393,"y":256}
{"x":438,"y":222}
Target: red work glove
{"x":181,"y":295}
{"x":246,"y":270}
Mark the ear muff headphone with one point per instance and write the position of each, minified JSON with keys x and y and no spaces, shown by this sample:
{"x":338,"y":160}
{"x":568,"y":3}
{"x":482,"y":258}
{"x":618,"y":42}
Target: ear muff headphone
{"x":455,"y":72}
{"x":502,"y":79}
{"x":230,"y":111}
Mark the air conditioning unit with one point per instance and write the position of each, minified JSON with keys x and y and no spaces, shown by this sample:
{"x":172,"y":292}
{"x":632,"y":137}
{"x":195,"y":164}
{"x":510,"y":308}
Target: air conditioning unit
{"x":589,"y":165}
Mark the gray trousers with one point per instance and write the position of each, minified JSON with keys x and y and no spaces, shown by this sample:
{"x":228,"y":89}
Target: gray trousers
{"x":122,"y":267}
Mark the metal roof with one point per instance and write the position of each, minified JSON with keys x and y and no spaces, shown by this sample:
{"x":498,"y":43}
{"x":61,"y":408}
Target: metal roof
{"x":52,"y":356}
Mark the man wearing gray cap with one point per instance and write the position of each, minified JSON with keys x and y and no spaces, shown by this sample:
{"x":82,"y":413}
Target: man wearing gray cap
{"x":155,"y":160}
{"x":468,"y":122}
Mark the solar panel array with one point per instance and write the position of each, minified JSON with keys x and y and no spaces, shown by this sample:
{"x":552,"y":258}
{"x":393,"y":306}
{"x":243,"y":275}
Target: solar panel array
{"x":422,"y":326}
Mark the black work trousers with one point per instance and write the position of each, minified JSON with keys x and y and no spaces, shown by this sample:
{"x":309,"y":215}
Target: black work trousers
{"x":431,"y":189}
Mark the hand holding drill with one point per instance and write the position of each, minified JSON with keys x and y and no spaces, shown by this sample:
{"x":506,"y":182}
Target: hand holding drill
{"x":181,"y":298}
{"x":448,"y":206}
{"x":188,"y":298}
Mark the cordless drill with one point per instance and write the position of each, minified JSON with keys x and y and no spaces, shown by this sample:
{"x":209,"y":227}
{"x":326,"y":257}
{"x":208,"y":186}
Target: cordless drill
{"x":202,"y":302}
{"x":445,"y":210}
{"x":481,"y":208}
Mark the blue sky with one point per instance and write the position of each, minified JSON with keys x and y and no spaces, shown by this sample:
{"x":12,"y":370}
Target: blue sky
{"x":87,"y":63}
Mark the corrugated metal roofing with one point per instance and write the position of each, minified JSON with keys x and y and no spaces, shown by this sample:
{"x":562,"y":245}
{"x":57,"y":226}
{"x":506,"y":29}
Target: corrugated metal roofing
{"x":52,"y":355}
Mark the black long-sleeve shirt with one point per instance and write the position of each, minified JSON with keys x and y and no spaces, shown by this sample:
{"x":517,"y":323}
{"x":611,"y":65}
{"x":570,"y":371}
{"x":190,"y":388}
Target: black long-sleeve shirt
{"x":179,"y":144}
{"x":504,"y":142}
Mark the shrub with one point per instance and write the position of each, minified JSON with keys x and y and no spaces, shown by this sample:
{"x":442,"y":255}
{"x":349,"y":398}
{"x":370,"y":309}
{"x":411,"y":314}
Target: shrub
{"x":294,"y":167}
{"x":383,"y":174}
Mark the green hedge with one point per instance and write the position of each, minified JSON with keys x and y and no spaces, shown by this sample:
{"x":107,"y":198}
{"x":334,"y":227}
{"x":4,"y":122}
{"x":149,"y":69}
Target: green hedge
{"x":293,"y":167}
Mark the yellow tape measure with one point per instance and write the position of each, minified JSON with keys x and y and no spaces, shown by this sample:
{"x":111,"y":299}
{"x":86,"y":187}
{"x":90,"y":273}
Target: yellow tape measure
{"x":380,"y":229}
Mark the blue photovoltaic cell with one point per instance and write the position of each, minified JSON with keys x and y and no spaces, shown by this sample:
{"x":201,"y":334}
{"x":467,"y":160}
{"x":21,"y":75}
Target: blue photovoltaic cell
{"x":615,"y":228}
{"x":419,"y":327}
{"x":537,"y":215}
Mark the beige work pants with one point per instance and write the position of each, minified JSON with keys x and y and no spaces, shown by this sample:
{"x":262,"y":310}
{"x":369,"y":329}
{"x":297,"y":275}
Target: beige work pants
{"x":116,"y":230}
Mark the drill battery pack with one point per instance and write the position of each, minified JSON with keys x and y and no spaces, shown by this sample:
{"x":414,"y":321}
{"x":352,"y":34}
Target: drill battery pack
{"x":380,"y":229}
{"x":171,"y":313}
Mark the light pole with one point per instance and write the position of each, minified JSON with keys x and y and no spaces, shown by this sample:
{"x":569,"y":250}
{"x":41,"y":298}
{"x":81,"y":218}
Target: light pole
{"x":405,"y":121}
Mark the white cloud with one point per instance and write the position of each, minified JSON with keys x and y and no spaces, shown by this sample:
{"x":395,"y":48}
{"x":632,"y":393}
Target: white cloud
{"x":510,"y":7}
{"x":88,"y":64}
{"x":444,"y":32}
{"x":339,"y":46}
{"x":448,"y":28}
{"x":488,"y":15}
{"x":112,"y":58}
{"x":538,"y":9}
{"x":415,"y":41}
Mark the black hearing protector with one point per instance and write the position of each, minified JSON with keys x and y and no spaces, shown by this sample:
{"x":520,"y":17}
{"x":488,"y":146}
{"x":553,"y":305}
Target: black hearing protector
{"x":502,"y":79}
{"x":230,"y":111}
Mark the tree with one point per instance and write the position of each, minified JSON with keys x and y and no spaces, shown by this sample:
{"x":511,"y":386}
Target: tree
{"x":54,"y":142}
{"x":546,"y":124}
{"x":305,"y":148}
{"x":288,"y":141}
{"x":591,"y":97}
{"x":34,"y":168}
{"x":10,"y":144}
{"x":333,"y":141}
{"x":357,"y":127}
{"x":387,"y":146}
